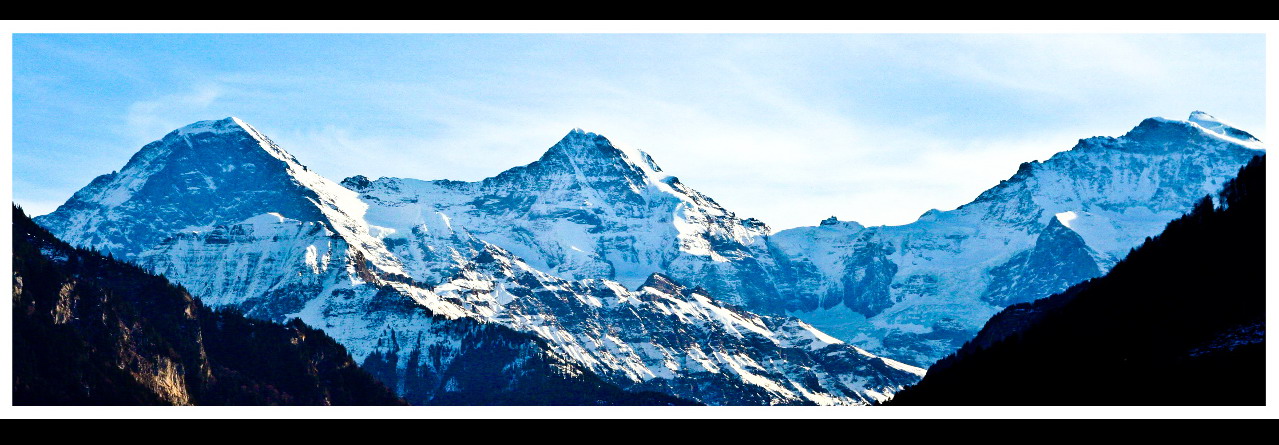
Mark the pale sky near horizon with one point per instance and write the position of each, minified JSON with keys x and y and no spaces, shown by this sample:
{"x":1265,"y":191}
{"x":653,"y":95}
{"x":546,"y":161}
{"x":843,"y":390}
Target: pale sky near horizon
{"x":787,"y":128}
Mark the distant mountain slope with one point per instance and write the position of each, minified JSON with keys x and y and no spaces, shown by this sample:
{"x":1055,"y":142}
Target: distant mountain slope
{"x":90,"y":330}
{"x":916,"y":292}
{"x":1180,"y":321}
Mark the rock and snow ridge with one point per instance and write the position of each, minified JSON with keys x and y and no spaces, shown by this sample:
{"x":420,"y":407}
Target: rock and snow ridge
{"x":219,"y":208}
{"x":585,"y":209}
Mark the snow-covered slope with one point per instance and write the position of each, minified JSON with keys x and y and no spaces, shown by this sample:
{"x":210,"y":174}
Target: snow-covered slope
{"x":917,"y":291}
{"x":219,"y":208}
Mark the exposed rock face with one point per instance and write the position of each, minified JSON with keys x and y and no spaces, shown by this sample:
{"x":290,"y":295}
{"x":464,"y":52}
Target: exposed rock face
{"x":1059,"y":258}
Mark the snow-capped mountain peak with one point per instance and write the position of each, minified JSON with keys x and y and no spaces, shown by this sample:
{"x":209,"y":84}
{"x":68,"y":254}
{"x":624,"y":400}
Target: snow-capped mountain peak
{"x":594,"y":157}
{"x":214,"y":173}
{"x":1218,"y":126}
{"x":1199,"y":117}
{"x":224,"y":125}
{"x":224,"y":165}
{"x":581,"y":145}
{"x":1201,"y":130}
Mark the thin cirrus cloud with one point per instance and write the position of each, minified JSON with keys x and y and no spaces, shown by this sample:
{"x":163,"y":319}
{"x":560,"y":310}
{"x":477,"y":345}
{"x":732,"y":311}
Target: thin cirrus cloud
{"x":146,"y":119}
{"x":786,"y":128}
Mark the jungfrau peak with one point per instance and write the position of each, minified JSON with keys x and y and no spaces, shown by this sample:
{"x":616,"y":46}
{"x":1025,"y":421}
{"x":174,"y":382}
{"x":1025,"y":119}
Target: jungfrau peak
{"x":918,"y":291}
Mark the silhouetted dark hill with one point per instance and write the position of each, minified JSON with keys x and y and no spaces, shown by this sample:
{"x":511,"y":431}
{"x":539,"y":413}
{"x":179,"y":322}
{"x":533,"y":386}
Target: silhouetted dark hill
{"x":1180,"y":321}
{"x":91,"y":330}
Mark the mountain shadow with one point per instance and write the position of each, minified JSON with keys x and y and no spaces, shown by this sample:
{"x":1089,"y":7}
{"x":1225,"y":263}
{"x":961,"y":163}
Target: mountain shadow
{"x":1180,"y":321}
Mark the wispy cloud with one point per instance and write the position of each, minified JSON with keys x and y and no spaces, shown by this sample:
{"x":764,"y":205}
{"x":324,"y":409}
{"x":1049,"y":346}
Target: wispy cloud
{"x":149,"y":118}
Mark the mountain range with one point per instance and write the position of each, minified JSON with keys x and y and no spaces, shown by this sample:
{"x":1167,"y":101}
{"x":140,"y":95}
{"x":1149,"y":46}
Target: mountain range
{"x":594,"y":260}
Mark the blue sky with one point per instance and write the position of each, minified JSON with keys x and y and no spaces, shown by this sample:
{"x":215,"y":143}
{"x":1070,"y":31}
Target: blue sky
{"x":788,"y":128}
